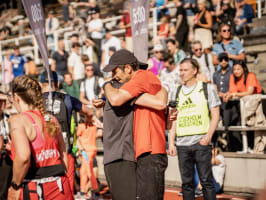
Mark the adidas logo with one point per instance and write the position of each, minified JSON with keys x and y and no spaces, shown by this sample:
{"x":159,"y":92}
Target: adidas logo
{"x":188,"y":103}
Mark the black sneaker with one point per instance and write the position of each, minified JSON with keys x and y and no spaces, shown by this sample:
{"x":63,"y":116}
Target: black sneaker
{"x":198,"y":193}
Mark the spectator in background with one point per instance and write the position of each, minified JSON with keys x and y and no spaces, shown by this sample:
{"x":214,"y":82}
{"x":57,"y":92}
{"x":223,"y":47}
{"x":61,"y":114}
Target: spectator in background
{"x":203,"y":25}
{"x":242,"y":82}
{"x":8,"y":70}
{"x":175,"y":51}
{"x":170,"y":76}
{"x":226,"y":43}
{"x":19,"y":63}
{"x":225,"y":12}
{"x":155,"y":63}
{"x":66,"y":11}
{"x":228,"y":110}
{"x":164,"y":30}
{"x":125,"y":24}
{"x":181,"y":27}
{"x":244,"y":16}
{"x":70,"y":86}
{"x":32,"y":68}
{"x":95,"y":27}
{"x":190,"y":7}
{"x":5,"y":162}
{"x":75,"y":65}
{"x":59,"y":63}
{"x":90,"y":50}
{"x":51,"y":25}
{"x":109,"y":41}
{"x":90,"y":87}
{"x":205,"y":60}
{"x":218,"y":171}
{"x":86,"y":61}
{"x":159,"y":3}
{"x":94,"y":7}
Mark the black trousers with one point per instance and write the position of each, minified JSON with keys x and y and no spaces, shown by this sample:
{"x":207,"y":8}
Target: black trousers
{"x":150,"y":176}
{"x":201,"y":156}
{"x":121,"y":179}
{"x":5,"y":175}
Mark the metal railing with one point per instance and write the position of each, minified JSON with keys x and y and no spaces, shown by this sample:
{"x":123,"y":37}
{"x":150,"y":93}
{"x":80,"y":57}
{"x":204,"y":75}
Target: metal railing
{"x":68,"y":31}
{"x":243,"y":128}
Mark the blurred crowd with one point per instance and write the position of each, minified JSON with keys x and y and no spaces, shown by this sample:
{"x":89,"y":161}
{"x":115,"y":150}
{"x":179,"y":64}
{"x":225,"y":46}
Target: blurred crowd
{"x":206,"y":30}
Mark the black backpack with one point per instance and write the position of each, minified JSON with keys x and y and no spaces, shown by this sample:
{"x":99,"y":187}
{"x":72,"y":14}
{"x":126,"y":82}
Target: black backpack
{"x":59,"y":110}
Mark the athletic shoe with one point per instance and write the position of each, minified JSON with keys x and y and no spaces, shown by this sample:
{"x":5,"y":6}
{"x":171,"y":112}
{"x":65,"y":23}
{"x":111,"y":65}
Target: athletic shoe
{"x":198,"y":193}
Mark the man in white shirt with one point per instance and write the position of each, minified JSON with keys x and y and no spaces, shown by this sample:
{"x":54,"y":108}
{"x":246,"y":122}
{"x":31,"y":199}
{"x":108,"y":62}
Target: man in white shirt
{"x":170,"y":76}
{"x":51,"y":25}
{"x":95,"y":27}
{"x":205,"y":60}
{"x":75,"y":65}
{"x":110,"y":41}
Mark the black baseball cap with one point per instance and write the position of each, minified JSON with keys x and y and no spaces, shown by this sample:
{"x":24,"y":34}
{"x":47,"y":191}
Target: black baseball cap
{"x":53,"y":76}
{"x":223,"y":56}
{"x":123,"y":57}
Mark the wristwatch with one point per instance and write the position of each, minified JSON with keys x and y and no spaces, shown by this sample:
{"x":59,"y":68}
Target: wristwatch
{"x":15,"y":186}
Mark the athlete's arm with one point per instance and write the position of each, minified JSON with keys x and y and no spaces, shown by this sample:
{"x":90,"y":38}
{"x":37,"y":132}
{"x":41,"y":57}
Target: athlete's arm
{"x":215,"y":113}
{"x":157,"y":102}
{"x":116,"y":97}
{"x":21,"y":145}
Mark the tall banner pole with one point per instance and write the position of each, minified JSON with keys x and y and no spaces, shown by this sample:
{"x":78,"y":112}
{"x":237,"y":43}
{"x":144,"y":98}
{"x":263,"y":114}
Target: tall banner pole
{"x":35,"y":14}
{"x":139,"y":18}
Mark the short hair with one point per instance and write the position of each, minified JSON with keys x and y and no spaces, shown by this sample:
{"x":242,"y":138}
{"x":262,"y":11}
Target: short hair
{"x":196,"y":42}
{"x":75,"y":35}
{"x":172,"y":41}
{"x":194,"y":63}
{"x":85,"y":58}
{"x":76,"y":44}
{"x":67,"y":73}
{"x":168,"y":58}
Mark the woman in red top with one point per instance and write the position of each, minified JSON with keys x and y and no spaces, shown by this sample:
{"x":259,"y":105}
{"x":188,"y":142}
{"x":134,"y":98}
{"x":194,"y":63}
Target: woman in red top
{"x":242,"y":82}
{"x":38,"y":149}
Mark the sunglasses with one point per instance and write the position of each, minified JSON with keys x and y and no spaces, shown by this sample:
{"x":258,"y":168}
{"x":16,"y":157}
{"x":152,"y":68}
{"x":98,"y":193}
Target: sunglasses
{"x":199,"y":49}
{"x":226,"y":30}
{"x":226,"y":59}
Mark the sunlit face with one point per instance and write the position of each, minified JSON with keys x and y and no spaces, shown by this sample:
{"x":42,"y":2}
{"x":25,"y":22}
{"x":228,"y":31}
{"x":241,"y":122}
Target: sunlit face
{"x":171,"y":47}
{"x":224,"y":63}
{"x":197,"y":49}
{"x":61,"y":44}
{"x":158,"y":54}
{"x":238,"y":70}
{"x":68,"y":79}
{"x":121,"y":75}
{"x":187,"y":72}
{"x":89,"y":71}
{"x":201,"y":6}
{"x":16,"y":52}
{"x":226,"y":32}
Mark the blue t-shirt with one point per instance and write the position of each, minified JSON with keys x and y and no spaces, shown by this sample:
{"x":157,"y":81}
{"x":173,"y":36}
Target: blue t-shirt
{"x":234,"y":47}
{"x":18,"y":64}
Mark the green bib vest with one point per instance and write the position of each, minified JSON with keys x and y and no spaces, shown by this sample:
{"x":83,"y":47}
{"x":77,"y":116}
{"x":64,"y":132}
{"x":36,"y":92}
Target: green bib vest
{"x":193,"y":113}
